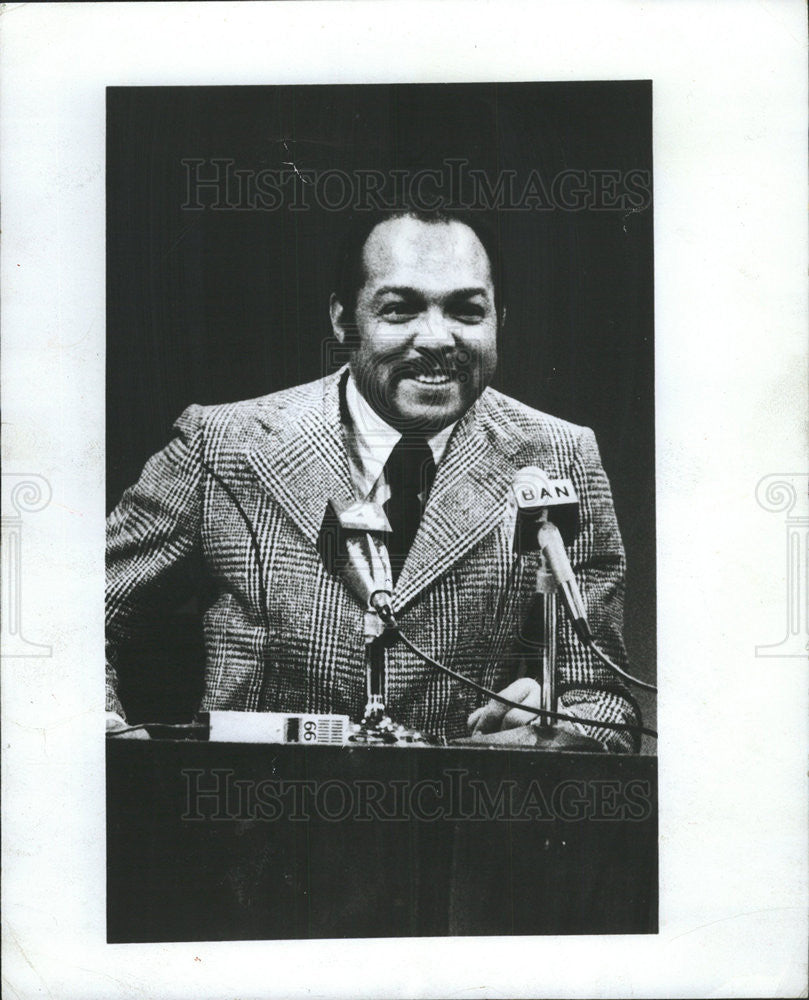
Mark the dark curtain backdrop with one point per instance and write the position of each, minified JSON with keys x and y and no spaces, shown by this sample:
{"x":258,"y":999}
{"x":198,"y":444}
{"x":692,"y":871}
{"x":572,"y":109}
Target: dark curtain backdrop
{"x":213,"y":305}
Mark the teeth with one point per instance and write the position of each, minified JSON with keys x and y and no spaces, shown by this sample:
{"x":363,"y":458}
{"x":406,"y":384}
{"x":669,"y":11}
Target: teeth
{"x":441,"y":379}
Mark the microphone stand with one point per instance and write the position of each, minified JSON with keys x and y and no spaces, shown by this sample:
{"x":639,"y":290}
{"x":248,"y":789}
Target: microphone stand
{"x":545,"y":588}
{"x":367,"y":572}
{"x":374,"y":670}
{"x":551,"y":576}
{"x":376,"y":726}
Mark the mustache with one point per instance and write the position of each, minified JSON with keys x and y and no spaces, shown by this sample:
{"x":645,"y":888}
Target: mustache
{"x":429,"y":362}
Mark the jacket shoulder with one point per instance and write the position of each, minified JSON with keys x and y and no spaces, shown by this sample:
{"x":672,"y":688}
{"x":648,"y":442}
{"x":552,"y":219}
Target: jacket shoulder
{"x":275,"y":409}
{"x":525,"y":424}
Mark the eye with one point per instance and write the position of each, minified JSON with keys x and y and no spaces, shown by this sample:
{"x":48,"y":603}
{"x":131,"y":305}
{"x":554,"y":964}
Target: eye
{"x":398,"y":312}
{"x":467,"y":312}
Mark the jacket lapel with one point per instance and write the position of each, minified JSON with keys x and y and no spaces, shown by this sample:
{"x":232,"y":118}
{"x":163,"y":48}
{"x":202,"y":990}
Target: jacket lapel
{"x":300,"y":456}
{"x":470,"y":496}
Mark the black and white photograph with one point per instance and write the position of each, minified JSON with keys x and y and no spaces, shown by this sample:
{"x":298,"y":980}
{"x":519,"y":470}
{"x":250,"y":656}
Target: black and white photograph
{"x":404,"y":499}
{"x":379,"y":417}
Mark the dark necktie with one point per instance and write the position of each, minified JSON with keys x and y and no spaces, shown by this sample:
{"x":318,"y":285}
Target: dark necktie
{"x":409,"y":471}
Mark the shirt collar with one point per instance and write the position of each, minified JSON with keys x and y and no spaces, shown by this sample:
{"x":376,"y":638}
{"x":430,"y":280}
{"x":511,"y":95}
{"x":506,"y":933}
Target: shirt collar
{"x":372,"y":440}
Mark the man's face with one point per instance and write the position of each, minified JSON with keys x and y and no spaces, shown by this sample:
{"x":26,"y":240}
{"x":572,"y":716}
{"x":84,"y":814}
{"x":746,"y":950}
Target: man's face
{"x":426,"y":323}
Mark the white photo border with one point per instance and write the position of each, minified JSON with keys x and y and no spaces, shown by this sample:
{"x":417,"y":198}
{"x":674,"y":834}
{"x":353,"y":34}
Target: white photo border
{"x":729,"y":92}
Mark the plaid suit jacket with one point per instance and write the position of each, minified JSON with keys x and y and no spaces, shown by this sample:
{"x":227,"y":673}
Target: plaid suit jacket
{"x":292,"y":639}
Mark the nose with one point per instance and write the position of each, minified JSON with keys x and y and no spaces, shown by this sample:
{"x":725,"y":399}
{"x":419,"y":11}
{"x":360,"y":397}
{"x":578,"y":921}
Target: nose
{"x":434,"y":330}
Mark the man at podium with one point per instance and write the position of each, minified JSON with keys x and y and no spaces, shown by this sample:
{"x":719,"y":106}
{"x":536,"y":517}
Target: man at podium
{"x":409,"y":424}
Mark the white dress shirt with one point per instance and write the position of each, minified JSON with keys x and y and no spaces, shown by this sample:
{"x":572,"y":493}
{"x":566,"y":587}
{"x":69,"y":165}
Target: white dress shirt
{"x":370,"y":441}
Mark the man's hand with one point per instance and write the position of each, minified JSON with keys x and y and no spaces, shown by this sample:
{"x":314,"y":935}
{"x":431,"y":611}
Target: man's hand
{"x":116,"y":723}
{"x":497,"y":724}
{"x":494,"y":717}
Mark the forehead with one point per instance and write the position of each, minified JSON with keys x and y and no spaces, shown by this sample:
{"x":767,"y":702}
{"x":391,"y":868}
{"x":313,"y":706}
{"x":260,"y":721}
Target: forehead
{"x":431,"y":256}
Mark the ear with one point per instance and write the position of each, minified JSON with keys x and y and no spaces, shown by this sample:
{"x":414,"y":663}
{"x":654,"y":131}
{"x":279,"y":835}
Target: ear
{"x":336,"y":313}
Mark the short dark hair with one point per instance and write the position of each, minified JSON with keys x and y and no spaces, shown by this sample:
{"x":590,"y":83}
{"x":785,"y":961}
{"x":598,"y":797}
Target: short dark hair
{"x":351,"y":275}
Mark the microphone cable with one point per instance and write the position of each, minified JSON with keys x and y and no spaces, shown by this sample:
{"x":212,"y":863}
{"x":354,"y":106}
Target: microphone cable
{"x":190,"y":727}
{"x":386,"y":614}
{"x":558,"y":564}
{"x":599,"y":652}
{"x":581,"y":629}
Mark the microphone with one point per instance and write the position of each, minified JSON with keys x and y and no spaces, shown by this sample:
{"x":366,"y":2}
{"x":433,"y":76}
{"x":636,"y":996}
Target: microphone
{"x":548,"y":517}
{"x":365,"y":568}
{"x":365,"y":563}
{"x":541,"y":498}
{"x":553,"y":550}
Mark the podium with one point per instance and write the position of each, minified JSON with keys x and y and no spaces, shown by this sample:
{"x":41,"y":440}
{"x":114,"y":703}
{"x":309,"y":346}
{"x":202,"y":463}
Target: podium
{"x":217,"y":841}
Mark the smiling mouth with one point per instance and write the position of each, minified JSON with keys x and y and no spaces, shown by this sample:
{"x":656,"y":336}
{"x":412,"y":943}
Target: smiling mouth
{"x":430,"y":372}
{"x":438,"y":378}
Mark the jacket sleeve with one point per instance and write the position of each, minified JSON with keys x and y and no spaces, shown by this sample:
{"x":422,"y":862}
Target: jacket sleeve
{"x":587,"y":688}
{"x":151,"y":535}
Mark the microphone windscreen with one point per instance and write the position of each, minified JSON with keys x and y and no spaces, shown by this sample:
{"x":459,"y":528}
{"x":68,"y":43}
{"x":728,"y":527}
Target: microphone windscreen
{"x":541,"y":498}
{"x":362,"y":515}
{"x":341,"y":522}
{"x":351,"y":544}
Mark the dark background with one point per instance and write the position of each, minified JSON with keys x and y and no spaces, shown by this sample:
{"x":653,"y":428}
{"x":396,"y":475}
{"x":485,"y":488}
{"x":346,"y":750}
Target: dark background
{"x":210,"y":306}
